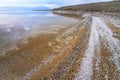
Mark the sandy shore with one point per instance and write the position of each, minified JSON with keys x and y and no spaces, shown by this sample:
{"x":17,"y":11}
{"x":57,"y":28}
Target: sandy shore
{"x":88,"y":50}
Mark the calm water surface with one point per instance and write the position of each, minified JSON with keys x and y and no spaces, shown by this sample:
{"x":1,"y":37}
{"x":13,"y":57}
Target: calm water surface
{"x":18,"y":26}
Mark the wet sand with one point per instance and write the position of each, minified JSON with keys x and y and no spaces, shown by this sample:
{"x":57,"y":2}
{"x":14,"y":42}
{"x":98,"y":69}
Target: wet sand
{"x":87,"y":50}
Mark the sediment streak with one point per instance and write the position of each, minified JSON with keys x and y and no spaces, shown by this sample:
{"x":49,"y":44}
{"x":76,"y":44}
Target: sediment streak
{"x":86,"y":69}
{"x":99,"y":30}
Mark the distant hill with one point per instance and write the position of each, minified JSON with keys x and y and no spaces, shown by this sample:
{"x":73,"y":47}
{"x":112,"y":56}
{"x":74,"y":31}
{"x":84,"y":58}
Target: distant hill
{"x":113,"y":6}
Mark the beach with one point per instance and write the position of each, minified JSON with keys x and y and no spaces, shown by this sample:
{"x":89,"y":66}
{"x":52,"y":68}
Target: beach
{"x":74,"y":46}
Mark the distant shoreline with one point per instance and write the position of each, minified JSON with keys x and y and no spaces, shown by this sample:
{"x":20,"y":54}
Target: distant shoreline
{"x":41,"y":10}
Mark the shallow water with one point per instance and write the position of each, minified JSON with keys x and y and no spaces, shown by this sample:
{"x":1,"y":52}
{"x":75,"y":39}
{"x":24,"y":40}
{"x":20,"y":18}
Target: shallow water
{"x":17,"y":26}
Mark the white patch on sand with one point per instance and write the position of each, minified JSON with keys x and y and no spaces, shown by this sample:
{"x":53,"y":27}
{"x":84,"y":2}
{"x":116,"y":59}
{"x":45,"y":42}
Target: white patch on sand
{"x":86,"y":69}
{"x":115,"y":21}
{"x":98,"y":28}
{"x":35,"y":69}
{"x":112,"y":43}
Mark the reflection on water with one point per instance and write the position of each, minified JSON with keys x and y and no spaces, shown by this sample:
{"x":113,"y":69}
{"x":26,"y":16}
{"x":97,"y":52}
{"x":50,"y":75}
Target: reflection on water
{"x":17,"y":27}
